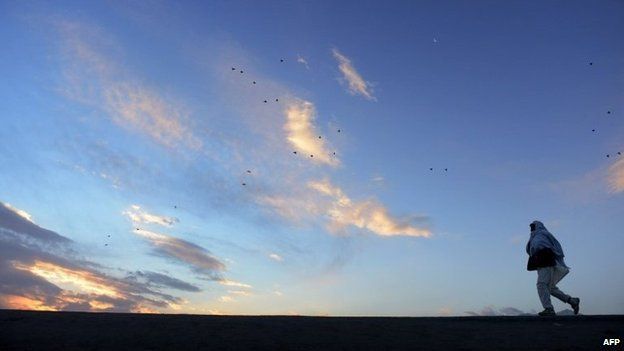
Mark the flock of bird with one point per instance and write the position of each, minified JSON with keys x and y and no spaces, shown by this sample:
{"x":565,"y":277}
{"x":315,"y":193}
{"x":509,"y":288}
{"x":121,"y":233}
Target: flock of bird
{"x":431,"y":169}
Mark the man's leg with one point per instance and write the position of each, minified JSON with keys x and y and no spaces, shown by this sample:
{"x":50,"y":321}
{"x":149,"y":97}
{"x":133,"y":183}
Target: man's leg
{"x":558,"y":273}
{"x":544,"y":276}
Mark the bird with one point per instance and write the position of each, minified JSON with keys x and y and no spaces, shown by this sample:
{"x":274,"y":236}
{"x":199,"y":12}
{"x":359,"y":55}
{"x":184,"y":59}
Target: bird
{"x":281,"y":60}
{"x":137,"y":229}
{"x":295,"y":152}
{"x":319,"y":137}
{"x":109,"y":235}
{"x":265,"y":101}
{"x":241,"y":71}
{"x":591,"y":63}
{"x":311,"y":155}
{"x":276,"y":100}
{"x":248,"y":171}
{"x":446,"y":170}
{"x":431,"y":169}
{"x":105,"y":244}
{"x":233,"y":69}
{"x":608,"y":112}
{"x":608,"y":156}
{"x":338,"y":130}
{"x":619,"y":153}
{"x":254,"y":82}
{"x":175,"y":206}
{"x":593,"y":130}
{"x":244,"y":184}
{"x":334,"y":154}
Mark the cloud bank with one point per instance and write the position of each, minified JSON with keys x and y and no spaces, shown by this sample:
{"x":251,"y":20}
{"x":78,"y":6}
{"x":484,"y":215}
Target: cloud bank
{"x":40,"y":270}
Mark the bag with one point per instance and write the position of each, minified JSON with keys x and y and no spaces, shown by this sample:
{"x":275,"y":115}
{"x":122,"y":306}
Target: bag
{"x":542,"y":258}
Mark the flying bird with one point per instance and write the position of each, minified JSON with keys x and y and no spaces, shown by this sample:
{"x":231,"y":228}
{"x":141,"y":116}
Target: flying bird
{"x":619,"y":153}
{"x":319,"y":137}
{"x":276,"y":100}
{"x":591,"y":63}
{"x":233,"y":69}
{"x":244,"y":184}
{"x":446,"y":170}
{"x":431,"y":169}
{"x":608,"y":156}
{"x":265,"y":101}
{"x":608,"y":112}
{"x":254,"y":82}
{"x":338,"y":130}
{"x":593,"y":130}
{"x":311,"y":155}
{"x":248,"y":171}
{"x":281,"y":60}
{"x":295,"y":152}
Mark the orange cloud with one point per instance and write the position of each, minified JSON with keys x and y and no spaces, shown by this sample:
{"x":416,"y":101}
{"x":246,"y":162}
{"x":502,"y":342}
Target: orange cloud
{"x":616,"y":176}
{"x":24,"y":303}
{"x":368,"y":214}
{"x":302,"y":134}
{"x":71,"y":279}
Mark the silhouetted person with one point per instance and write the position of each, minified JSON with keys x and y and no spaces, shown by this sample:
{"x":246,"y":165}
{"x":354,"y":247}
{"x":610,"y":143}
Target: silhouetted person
{"x":546,"y":256}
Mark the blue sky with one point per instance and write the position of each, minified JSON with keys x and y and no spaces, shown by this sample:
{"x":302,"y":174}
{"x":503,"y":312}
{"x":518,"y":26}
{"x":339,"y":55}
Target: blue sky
{"x":126,"y":119}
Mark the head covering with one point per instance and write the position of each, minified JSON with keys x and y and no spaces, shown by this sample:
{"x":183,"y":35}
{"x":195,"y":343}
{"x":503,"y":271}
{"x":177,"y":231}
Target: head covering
{"x":541,"y":238}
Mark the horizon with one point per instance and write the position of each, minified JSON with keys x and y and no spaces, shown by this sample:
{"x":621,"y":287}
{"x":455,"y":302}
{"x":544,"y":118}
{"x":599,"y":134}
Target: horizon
{"x":313,"y":159}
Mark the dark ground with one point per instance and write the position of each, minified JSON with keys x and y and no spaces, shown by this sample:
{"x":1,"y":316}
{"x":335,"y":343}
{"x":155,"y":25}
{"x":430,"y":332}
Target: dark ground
{"x":29,"y":330}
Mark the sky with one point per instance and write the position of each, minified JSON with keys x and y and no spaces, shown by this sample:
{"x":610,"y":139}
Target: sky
{"x":360,"y":158}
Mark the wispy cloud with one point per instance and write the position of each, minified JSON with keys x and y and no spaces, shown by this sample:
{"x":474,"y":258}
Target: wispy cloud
{"x":276,"y":257}
{"x":303,"y":136}
{"x":160,"y":280}
{"x":94,"y":78}
{"x":139,"y":216}
{"x":228,"y":282}
{"x":616,"y":176}
{"x":199,"y":259}
{"x":303,"y":61}
{"x":367,"y":214}
{"x":357,"y":84}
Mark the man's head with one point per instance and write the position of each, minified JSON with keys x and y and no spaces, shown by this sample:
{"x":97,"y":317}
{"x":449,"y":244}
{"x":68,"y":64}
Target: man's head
{"x":535,"y":225}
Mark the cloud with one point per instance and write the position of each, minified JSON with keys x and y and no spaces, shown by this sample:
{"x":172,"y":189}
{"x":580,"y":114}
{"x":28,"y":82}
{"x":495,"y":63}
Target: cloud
{"x":199,"y":259}
{"x":302,"y":134}
{"x":493,"y":311}
{"x":139,"y":216}
{"x":276,"y":257}
{"x":27,"y":216}
{"x":93,"y":78}
{"x":616,"y":176}
{"x":368,"y":214}
{"x":357,"y":84}
{"x":303,"y":61}
{"x":227,"y":282}
{"x":162,"y":280}
{"x":40,"y":270}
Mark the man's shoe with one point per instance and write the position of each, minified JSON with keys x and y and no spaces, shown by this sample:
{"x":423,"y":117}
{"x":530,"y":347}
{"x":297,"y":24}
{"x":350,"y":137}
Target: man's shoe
{"x":547,"y":312}
{"x":575,"y":302}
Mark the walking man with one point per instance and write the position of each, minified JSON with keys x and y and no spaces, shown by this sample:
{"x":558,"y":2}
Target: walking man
{"x":546,"y":256}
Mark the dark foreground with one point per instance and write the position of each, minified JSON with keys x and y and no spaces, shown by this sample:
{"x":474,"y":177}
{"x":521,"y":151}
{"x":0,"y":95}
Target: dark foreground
{"x":27,"y":330}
